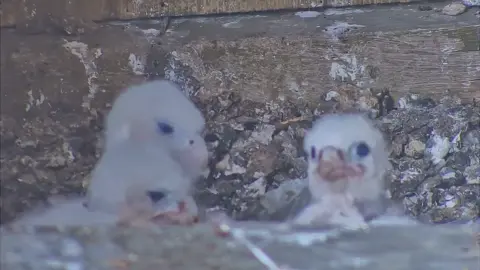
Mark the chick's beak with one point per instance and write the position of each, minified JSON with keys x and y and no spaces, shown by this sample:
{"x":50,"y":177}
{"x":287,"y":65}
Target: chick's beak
{"x":332,"y":165}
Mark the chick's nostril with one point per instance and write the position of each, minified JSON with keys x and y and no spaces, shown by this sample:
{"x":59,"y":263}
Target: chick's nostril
{"x":191,"y":142}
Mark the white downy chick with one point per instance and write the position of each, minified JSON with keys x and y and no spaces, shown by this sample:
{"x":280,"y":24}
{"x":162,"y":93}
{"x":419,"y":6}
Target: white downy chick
{"x":153,"y":134}
{"x":136,"y":177}
{"x":160,"y":109}
{"x":133,"y":182}
{"x":347,"y":162}
{"x":137,"y":165}
{"x":153,"y":145}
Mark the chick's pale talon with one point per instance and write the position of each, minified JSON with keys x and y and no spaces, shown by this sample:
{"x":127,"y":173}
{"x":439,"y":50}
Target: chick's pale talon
{"x":179,"y":217}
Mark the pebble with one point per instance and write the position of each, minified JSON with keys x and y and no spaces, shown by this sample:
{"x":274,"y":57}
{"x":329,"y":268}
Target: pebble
{"x":472,"y":174}
{"x":447,"y":173}
{"x":454,"y":9}
{"x":415,"y":148}
{"x":424,"y":8}
{"x":440,"y":147}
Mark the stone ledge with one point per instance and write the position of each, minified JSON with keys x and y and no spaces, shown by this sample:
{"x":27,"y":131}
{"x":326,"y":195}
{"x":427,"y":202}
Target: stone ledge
{"x":398,"y":247}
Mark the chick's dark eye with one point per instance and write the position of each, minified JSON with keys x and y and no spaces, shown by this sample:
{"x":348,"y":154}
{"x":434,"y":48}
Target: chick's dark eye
{"x":164,"y":128}
{"x":313,"y":152}
{"x":362,"y":150}
{"x":155,"y":195}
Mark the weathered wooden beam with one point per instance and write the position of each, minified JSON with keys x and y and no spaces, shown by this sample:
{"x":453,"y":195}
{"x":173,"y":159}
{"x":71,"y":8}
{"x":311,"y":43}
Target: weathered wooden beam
{"x":14,"y":12}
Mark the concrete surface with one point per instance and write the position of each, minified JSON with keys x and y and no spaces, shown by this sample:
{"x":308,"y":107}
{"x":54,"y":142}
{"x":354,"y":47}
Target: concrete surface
{"x":411,"y":247}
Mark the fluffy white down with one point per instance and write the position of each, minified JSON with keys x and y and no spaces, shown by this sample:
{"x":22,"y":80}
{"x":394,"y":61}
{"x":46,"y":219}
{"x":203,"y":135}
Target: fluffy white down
{"x":143,"y":166}
{"x":341,"y":131}
{"x":136,"y":112}
{"x":146,"y":103}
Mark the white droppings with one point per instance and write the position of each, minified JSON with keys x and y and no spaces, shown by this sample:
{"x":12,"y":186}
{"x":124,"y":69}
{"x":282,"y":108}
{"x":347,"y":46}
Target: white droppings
{"x":223,"y":164}
{"x":450,"y":201}
{"x":258,"y":174}
{"x":98,"y":53}
{"x":304,"y":239}
{"x":32,"y":101}
{"x":170,"y":68}
{"x":68,"y":150}
{"x":342,"y":11}
{"x":80,"y":50}
{"x":472,"y":174}
{"x":151,"y":32}
{"x":408,"y":175}
{"x":293,"y":85}
{"x":180,"y":79}
{"x":348,"y":69}
{"x":338,"y":71}
{"x":136,"y":64}
{"x":236,"y":169}
{"x":258,"y":187}
{"x":403,"y":103}
{"x":337,"y":29}
{"x":264,"y":136}
{"x":214,"y":209}
{"x":308,"y":239}
{"x":364,"y":103}
{"x":232,"y":24}
{"x":308,"y":14}
{"x":212,"y":190}
{"x":439,"y":149}
{"x":331,"y":95}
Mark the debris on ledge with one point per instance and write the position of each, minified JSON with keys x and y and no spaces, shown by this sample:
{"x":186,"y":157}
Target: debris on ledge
{"x":412,"y":247}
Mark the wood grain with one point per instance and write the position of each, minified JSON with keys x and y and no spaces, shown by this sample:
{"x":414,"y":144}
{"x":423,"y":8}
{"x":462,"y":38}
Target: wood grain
{"x":267,"y":69}
{"x":15,"y":11}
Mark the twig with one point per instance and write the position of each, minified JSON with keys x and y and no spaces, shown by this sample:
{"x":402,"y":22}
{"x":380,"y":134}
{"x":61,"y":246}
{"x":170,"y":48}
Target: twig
{"x":223,"y":229}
